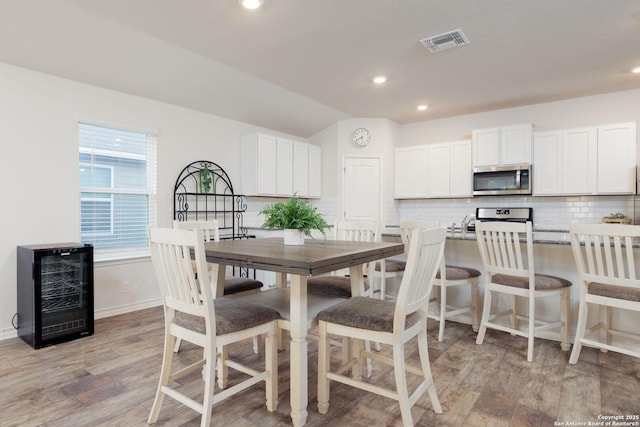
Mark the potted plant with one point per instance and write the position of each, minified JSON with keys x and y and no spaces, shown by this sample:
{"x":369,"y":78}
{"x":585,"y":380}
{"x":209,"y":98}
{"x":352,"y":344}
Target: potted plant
{"x":296,"y":217}
{"x":616,"y":218}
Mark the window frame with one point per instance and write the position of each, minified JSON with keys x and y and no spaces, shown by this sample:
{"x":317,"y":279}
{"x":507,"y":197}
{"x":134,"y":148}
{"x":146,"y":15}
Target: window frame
{"x":149,"y":158}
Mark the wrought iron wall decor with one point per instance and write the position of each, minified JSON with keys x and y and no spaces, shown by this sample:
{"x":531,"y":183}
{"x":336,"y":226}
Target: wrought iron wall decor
{"x":203,"y":191}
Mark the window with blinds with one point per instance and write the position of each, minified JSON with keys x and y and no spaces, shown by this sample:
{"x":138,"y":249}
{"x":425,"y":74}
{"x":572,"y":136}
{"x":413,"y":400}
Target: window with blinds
{"x":117,"y":190}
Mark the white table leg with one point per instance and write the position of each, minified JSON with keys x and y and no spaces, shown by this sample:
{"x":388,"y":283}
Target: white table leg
{"x":357,"y":280}
{"x":298,"y":355}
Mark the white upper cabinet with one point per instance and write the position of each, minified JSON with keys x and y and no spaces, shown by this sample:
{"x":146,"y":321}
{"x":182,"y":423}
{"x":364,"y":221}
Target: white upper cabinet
{"x":592,"y":160}
{"x":284,"y":166}
{"x":546,"y":163}
{"x":438,"y":170}
{"x":410,"y":173}
{"x":507,"y":145}
{"x":461,"y":172}
{"x":301,"y":168}
{"x":579,"y":160}
{"x":279,"y":167}
{"x":564,"y":162}
{"x":432,"y":171}
{"x":617,"y":159}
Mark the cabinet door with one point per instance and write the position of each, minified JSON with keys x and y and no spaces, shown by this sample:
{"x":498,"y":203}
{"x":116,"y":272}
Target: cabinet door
{"x":579,"y":164}
{"x":486,"y":147}
{"x":461,"y":176}
{"x":617,"y":159}
{"x":515,"y":144}
{"x":410,"y":172}
{"x":301,"y":168}
{"x":315,"y":171}
{"x":266,"y":164}
{"x":546,"y":163}
{"x":438,"y":170}
{"x":284,"y":167}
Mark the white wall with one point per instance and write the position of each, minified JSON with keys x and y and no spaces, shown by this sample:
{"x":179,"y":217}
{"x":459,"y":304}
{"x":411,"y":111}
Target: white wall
{"x":616,"y":107}
{"x":39,"y":172}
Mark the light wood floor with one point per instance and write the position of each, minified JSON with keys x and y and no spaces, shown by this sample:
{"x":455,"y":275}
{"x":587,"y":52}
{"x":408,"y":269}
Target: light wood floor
{"x":110,"y":379}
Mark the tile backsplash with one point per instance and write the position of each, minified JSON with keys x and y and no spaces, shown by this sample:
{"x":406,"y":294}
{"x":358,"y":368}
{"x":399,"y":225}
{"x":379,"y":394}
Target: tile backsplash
{"x":549,"y":213}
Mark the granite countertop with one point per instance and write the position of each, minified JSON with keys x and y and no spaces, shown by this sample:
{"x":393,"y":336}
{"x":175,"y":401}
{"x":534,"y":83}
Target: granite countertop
{"x":554,"y":237}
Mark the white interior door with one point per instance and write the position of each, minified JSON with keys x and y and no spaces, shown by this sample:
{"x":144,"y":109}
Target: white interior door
{"x":361,"y":193}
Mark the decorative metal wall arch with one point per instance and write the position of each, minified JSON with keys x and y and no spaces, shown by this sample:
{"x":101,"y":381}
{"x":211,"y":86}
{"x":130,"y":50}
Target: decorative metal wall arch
{"x":203,"y":191}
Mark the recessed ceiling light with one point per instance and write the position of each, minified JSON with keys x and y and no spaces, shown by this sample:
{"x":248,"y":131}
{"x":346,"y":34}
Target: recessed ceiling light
{"x":422,"y":107}
{"x":251,"y":4}
{"x":636,"y":70}
{"x":380,"y":79}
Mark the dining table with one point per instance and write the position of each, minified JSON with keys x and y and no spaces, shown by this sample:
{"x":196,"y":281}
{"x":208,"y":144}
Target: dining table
{"x":297,"y":263}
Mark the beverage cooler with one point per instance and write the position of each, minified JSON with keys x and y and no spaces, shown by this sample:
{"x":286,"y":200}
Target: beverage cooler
{"x":55,"y":293}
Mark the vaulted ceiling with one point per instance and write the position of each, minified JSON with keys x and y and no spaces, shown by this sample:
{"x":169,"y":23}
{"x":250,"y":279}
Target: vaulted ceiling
{"x":300,"y":66}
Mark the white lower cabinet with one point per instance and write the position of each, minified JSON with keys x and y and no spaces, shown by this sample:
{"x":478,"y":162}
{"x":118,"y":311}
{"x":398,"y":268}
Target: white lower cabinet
{"x":279,"y":167}
{"x":585,"y":161}
{"x":433,"y":171}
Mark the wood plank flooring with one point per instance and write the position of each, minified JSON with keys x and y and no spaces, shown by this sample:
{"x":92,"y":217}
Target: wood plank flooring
{"x":110,"y":378}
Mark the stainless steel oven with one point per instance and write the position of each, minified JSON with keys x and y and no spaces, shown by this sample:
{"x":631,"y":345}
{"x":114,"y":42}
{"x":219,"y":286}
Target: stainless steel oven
{"x":502,"y":180}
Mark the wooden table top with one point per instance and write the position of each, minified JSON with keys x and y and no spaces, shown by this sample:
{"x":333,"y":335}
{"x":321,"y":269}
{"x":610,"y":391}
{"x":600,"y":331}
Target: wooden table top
{"x":314,"y":257}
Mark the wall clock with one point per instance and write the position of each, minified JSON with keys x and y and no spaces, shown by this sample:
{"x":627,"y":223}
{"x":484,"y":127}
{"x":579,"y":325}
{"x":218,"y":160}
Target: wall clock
{"x":361,"y":137}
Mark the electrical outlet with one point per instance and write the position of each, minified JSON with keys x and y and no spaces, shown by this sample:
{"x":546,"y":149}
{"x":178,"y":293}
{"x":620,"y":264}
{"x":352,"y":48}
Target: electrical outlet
{"x":126,"y":287}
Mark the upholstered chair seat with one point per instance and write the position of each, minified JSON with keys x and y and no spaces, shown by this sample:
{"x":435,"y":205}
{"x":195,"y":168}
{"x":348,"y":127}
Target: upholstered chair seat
{"x":612,"y":291}
{"x":235,"y":285}
{"x":392,"y":266}
{"x":334,"y":286}
{"x":365,"y":313}
{"x":231,"y":316}
{"x":543,"y":281}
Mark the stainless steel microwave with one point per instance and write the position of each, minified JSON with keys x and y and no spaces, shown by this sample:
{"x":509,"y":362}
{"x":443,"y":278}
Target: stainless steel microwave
{"x":502,"y":180}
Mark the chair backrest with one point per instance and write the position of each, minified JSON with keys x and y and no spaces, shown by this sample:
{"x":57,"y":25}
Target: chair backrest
{"x":358,"y":231}
{"x":209,"y":228}
{"x":171,"y":256}
{"x":425,"y":255}
{"x":604,"y":253}
{"x":407,"y":227}
{"x":506,"y":248}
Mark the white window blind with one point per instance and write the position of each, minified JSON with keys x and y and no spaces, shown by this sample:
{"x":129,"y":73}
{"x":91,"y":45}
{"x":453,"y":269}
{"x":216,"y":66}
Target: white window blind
{"x":117,"y":190}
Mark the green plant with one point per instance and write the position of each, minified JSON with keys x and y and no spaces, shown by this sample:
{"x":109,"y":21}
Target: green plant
{"x":617,"y":215}
{"x":295,"y":214}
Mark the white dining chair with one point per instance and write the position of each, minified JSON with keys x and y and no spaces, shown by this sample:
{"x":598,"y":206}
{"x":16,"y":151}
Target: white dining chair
{"x":194,"y":315}
{"x":506,"y":250}
{"x":391,"y":323}
{"x":233,"y":286}
{"x":447,"y":277}
{"x":606,"y":263}
{"x":338,"y":283}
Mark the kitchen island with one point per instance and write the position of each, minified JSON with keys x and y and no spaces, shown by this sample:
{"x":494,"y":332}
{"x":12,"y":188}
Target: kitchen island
{"x":553,"y":255}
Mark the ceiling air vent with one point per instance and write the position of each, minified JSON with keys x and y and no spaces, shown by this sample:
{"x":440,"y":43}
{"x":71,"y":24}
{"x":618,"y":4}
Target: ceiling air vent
{"x":445,"y":41}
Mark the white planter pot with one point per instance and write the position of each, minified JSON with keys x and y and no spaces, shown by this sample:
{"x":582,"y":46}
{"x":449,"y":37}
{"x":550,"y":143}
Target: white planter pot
{"x":293,"y":237}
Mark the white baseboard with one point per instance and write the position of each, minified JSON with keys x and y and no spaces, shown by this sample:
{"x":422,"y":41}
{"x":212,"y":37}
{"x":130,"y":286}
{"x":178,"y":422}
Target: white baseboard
{"x":127,"y":308}
{"x":7,"y":333}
